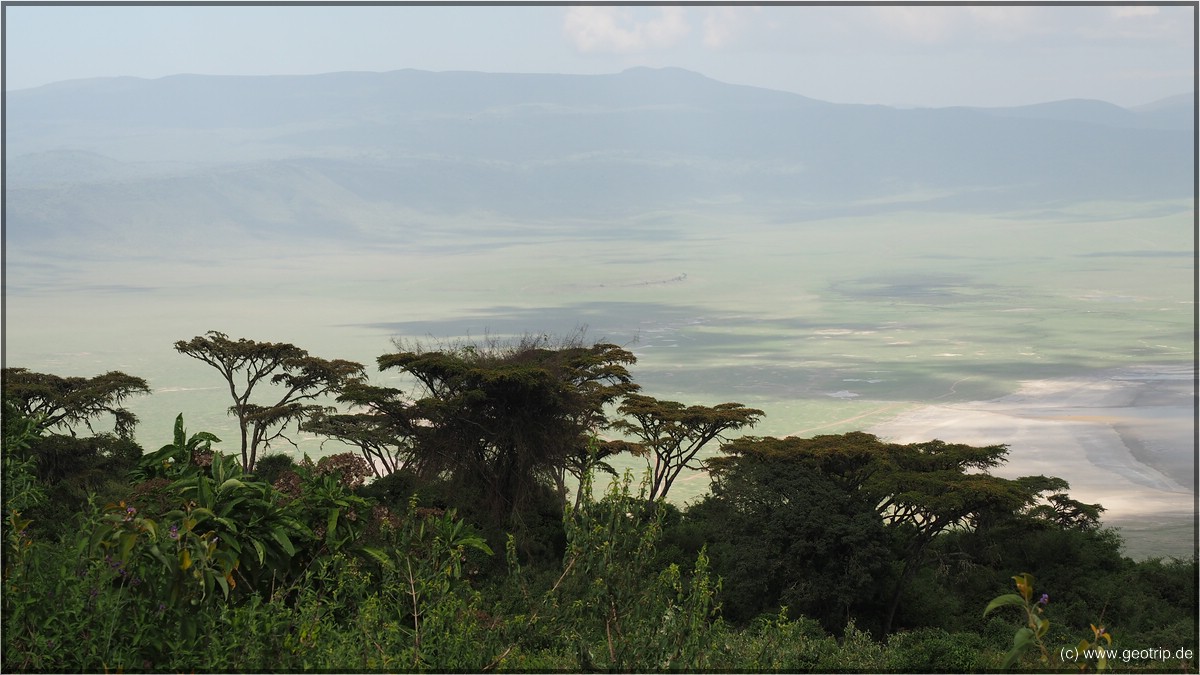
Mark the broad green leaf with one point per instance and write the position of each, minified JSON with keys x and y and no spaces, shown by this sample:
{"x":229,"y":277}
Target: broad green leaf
{"x":1022,"y":638}
{"x":283,"y":540}
{"x":331,"y":525}
{"x":98,"y":535}
{"x":377,"y":555}
{"x":478,"y":543}
{"x":260,"y":549}
{"x":158,"y":555}
{"x":1021,"y":642}
{"x":228,"y":506}
{"x":205,"y":492}
{"x":1010,"y":658}
{"x":1001,"y":601}
{"x":180,"y":438}
{"x":126,"y":547}
{"x":224,"y":584}
{"x":230,"y":482}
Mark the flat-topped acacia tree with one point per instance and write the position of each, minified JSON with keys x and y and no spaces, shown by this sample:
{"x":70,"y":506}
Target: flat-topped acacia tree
{"x":380,"y":425}
{"x":503,"y":419}
{"x":671,"y":434}
{"x":286,"y":376}
{"x":54,"y":401}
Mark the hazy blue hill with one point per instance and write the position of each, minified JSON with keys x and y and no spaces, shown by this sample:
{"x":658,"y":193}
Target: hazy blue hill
{"x":63,"y":167}
{"x":197,"y":101}
{"x":1073,"y":110}
{"x":1171,"y":102}
{"x":56,"y":167}
{"x":339,"y":153}
{"x":1175,"y":112}
{"x":207,"y":206}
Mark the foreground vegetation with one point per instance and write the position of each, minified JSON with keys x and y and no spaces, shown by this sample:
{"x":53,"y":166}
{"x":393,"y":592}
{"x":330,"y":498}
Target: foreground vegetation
{"x":466,"y":534}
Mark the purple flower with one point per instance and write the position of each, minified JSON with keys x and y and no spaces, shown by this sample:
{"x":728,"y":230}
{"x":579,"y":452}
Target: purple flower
{"x":1044,"y":600}
{"x":174,"y":532}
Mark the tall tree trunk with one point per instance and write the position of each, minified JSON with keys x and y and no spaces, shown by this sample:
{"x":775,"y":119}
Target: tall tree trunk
{"x":910,"y":569}
{"x":247,"y":462}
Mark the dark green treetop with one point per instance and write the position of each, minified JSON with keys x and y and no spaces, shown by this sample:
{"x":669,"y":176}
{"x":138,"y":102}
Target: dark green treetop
{"x":504,"y":418}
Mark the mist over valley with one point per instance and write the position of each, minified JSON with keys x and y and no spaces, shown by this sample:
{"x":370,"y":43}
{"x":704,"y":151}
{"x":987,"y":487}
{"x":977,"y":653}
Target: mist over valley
{"x":834,"y":265}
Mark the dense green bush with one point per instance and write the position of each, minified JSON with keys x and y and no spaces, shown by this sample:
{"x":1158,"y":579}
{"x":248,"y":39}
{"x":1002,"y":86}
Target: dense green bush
{"x":178,"y":560}
{"x":72,"y":469}
{"x":782,"y":532}
{"x":933,"y":650}
{"x":270,"y":468}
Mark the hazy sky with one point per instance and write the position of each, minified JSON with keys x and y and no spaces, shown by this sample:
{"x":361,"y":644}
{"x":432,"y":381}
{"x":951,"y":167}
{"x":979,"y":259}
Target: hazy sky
{"x":896,"y":55}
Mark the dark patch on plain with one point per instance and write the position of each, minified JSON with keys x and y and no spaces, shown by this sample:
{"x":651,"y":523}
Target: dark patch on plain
{"x":1137,"y":254}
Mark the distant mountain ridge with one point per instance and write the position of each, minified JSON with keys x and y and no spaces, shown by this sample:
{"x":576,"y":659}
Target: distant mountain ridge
{"x":345,"y":152}
{"x":1178,"y":100}
{"x":266,"y":101}
{"x":188,"y":98}
{"x":1175,"y":112}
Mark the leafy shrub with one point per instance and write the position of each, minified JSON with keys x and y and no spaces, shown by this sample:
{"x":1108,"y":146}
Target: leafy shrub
{"x":612,"y":606}
{"x":933,"y":650}
{"x":775,"y":643}
{"x":269,"y":468}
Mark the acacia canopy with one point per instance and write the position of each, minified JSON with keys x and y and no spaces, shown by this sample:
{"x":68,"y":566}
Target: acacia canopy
{"x":285,"y":376}
{"x":380,"y":429}
{"x":55,"y":401}
{"x":502,"y":419}
{"x":671,"y":434}
{"x":918,"y":490}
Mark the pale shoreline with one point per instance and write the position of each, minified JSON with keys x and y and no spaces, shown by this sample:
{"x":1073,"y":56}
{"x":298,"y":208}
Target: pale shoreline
{"x":1124,"y":438}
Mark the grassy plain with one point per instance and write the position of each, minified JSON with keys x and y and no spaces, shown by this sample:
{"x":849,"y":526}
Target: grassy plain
{"x":828,"y":323}
{"x":1158,"y":537}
